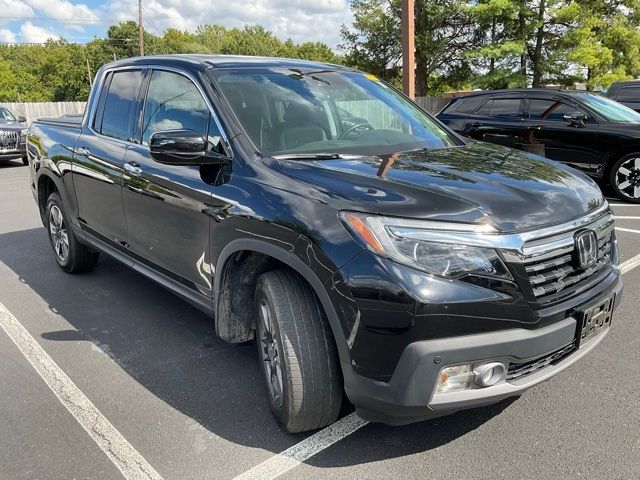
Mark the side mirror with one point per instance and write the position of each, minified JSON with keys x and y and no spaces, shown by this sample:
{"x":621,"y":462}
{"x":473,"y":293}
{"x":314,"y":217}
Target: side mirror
{"x":575,"y":119}
{"x":22,"y":119}
{"x":182,"y":147}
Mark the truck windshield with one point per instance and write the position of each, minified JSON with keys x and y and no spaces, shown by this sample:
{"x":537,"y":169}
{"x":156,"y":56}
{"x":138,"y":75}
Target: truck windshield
{"x":295,"y":111}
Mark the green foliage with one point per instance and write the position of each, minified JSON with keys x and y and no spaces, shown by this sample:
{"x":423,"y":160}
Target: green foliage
{"x":61,"y":71}
{"x":499,"y":43}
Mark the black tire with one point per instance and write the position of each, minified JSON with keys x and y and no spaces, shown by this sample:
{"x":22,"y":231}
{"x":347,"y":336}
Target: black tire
{"x":311,"y":383}
{"x":71,"y":255}
{"x":625,"y":178}
{"x":25,"y":160}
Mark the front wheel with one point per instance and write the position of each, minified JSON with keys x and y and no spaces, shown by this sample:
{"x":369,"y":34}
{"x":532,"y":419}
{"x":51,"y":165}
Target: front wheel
{"x":71,"y":255}
{"x":296,"y":352}
{"x":625,"y":178}
{"x":25,"y":160}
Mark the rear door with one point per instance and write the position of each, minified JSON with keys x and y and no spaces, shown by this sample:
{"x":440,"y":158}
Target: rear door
{"x":567,"y":143}
{"x":166,"y":205}
{"x":99,"y":157}
{"x":499,"y":120}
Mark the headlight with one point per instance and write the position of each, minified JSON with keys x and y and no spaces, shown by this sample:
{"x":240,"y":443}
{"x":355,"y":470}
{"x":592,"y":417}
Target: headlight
{"x":435,"y":247}
{"x":24,"y":131}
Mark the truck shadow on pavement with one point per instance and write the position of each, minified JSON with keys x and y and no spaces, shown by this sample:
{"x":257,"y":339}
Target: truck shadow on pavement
{"x":170,"y":348}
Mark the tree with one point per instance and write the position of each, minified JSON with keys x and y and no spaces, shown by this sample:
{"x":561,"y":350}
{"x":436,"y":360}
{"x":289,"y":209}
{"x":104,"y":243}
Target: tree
{"x":373,"y":42}
{"x":443,"y":33}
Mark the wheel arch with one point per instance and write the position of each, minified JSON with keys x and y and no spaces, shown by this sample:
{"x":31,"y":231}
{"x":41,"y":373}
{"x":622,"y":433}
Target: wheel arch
{"x":48,"y":183}
{"x":240,"y":329}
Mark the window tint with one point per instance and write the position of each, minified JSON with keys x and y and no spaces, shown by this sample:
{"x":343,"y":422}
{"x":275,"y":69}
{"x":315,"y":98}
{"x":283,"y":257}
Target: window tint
{"x":628,"y":92}
{"x":506,"y":107}
{"x":501,"y":107}
{"x":539,"y":108}
{"x":173,"y":103}
{"x":550,"y":109}
{"x":120,"y":104}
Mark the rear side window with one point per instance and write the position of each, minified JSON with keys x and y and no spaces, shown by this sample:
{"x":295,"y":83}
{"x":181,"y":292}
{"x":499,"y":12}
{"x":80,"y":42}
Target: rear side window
{"x":502,"y":108}
{"x":465,"y":105}
{"x":628,"y":92}
{"x":119,"y":104}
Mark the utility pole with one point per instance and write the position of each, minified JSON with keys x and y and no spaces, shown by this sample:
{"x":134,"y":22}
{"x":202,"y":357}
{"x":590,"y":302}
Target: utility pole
{"x":408,"y":48}
{"x":140,"y":29}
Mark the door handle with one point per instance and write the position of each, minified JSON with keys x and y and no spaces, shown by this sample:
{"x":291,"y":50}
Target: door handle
{"x":133,"y":168}
{"x":83,"y":151}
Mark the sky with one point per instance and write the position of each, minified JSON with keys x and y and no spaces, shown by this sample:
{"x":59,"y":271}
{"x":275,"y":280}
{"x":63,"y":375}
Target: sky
{"x":35,"y":21}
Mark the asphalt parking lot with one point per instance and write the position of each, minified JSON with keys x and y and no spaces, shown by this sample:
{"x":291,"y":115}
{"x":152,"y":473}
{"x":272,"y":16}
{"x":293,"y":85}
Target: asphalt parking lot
{"x":189,"y":406}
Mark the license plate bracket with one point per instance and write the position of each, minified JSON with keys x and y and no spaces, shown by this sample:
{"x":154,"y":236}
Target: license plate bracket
{"x":594,"y":320}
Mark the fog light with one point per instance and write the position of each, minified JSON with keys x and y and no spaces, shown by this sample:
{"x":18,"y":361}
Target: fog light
{"x":489,"y":374}
{"x":455,"y":378}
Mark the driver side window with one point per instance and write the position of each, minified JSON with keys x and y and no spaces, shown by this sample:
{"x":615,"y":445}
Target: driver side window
{"x":173,"y":103}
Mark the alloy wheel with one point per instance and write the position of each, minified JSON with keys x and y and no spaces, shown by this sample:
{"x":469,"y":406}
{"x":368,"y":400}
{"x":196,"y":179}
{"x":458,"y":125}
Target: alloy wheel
{"x":270,"y":354}
{"x":58,"y":233}
{"x":628,"y":178}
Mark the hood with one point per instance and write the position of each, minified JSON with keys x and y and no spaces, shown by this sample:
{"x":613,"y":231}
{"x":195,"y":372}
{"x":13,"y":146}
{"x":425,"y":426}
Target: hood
{"x":12,"y":126}
{"x":478,"y":182}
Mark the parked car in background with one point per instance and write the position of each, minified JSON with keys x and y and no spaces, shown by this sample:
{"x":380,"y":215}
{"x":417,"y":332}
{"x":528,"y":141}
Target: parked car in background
{"x":595,"y":134}
{"x":312,"y":207}
{"x":627,"y":93}
{"x":12,"y":136}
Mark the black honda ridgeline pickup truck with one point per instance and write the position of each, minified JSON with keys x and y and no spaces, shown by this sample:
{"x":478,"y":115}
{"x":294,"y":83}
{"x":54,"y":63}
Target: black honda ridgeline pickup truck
{"x":366,"y":247}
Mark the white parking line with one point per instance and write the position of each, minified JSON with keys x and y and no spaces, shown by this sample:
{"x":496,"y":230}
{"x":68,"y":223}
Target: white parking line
{"x":310,"y":446}
{"x":126,"y":458}
{"x":627,"y":218}
{"x":624,"y":205}
{"x":627,"y":230}
{"x":630,"y":264}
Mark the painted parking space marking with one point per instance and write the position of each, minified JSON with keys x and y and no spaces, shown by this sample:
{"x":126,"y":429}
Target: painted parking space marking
{"x":300,"y":452}
{"x":626,"y":218}
{"x":121,"y":453}
{"x":630,"y":264}
{"x":630,"y":230}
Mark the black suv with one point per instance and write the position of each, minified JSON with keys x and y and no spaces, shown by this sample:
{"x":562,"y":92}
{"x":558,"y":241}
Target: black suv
{"x":364,"y":246}
{"x":627,"y":93}
{"x":592,"y":133}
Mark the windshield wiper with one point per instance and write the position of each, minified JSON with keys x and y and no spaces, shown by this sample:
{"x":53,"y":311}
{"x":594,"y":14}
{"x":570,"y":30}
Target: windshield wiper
{"x":308,"y":156}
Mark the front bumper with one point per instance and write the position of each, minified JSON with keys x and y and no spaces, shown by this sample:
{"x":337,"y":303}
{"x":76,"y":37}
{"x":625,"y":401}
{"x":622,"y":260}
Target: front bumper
{"x":14,"y":153}
{"x":409,"y":395}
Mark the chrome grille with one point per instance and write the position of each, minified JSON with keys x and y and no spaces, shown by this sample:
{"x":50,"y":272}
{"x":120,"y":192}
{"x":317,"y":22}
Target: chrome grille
{"x":9,"y":140}
{"x":555,"y":274}
{"x":518,"y":370}
{"x":544,"y":261}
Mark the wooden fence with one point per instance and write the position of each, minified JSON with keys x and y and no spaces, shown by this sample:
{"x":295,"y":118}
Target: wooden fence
{"x":33,"y":111}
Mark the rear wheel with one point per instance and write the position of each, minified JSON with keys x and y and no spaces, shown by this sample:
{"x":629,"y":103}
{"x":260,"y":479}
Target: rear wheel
{"x":625,"y":178}
{"x":297,"y":353}
{"x":71,"y":255}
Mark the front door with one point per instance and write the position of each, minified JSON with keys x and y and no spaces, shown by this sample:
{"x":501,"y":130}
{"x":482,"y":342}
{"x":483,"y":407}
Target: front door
{"x":166,"y":205}
{"x":564,"y":142}
{"x":99,"y":156}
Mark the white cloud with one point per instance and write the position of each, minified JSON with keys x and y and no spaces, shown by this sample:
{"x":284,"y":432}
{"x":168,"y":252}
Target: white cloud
{"x":16,"y":8}
{"x":7,"y":35}
{"x":62,"y":9}
{"x":301,"y":20}
{"x":34,"y":34}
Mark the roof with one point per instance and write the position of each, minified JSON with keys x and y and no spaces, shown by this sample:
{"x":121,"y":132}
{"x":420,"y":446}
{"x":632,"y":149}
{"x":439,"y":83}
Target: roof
{"x":506,"y":91}
{"x":193,"y":61}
